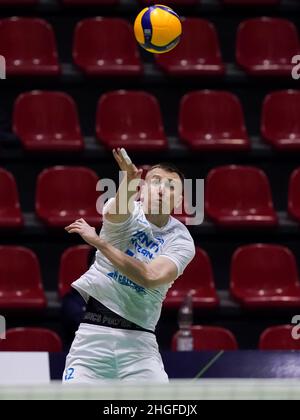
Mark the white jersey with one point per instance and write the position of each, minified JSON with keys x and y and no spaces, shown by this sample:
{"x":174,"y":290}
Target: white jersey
{"x":144,"y":241}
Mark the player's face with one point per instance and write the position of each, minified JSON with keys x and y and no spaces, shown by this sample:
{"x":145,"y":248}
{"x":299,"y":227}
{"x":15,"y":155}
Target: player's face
{"x":162,"y":191}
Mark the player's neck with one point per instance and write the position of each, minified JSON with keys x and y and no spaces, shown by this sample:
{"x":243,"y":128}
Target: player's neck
{"x":160,"y":220}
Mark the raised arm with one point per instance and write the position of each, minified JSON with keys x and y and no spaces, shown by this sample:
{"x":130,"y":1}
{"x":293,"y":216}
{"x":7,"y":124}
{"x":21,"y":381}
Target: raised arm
{"x":120,"y":208}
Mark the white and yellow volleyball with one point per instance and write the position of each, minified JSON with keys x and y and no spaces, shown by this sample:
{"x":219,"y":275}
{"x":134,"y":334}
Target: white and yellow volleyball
{"x":157,"y":29}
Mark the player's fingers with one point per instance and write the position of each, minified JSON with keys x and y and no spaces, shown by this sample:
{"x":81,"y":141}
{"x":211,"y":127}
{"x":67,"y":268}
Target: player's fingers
{"x":125,"y":157}
{"x":119,"y":159}
{"x":75,"y":230}
{"x":116,"y":156}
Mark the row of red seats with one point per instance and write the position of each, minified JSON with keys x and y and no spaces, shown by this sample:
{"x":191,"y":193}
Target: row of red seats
{"x":106,"y":46}
{"x":261,"y":276}
{"x":205,"y":339}
{"x":235,"y":196}
{"x":216,"y":338}
{"x":208,"y":120}
{"x":143,"y":2}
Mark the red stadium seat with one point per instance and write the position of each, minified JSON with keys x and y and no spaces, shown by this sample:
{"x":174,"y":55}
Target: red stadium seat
{"x":130,"y":119}
{"x":239,"y":196}
{"x":90,"y":2}
{"x":10,"y":212}
{"x":210,"y":339}
{"x":212,"y":120}
{"x":278,"y":338}
{"x":265,"y":46}
{"x":29,"y":47}
{"x":265,"y":276}
{"x":198,"y":52}
{"x":198,"y":277}
{"x":46,"y":121}
{"x":280,"y":125}
{"x":74,"y":262}
{"x":20,"y":279}
{"x":31,"y":339}
{"x":294,"y":195}
{"x":251,"y":2}
{"x":106,"y":47}
{"x":67,"y":193}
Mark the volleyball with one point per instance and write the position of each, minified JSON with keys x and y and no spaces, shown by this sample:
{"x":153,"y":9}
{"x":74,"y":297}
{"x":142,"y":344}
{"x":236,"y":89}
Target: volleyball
{"x":157,"y":29}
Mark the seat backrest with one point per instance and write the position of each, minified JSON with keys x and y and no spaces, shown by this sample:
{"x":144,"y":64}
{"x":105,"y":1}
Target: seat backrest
{"x":31,"y":339}
{"x":19,"y":269}
{"x":9,"y":197}
{"x":280,"y":115}
{"x":128,"y":112}
{"x":279,"y":337}
{"x":105,"y":38}
{"x":210,"y":338}
{"x":63,"y":188}
{"x":237,"y":187}
{"x":45,"y":112}
{"x":263,"y":266}
{"x":74,"y":262}
{"x":293,"y":194}
{"x":266,"y":38}
{"x":197,"y":275}
{"x":199,"y":40}
{"x":27,"y":39}
{"x":211,"y":112}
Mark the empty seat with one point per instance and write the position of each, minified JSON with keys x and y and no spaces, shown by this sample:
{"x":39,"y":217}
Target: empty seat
{"x":209,"y":339}
{"x":264,"y":276}
{"x":280,"y":125}
{"x":31,"y":339}
{"x":198,"y":278}
{"x":20,"y":279}
{"x":279,"y":338}
{"x":265,"y":46}
{"x":10,"y":212}
{"x":106,"y":46}
{"x":74,"y":262}
{"x":130,"y":119}
{"x":239,"y":196}
{"x":212,"y":120}
{"x":67,"y":193}
{"x":46,"y":121}
{"x":29,"y":47}
{"x":294,"y":195}
{"x":198,"y":52}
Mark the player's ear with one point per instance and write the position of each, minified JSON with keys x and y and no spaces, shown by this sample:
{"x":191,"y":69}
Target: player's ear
{"x":142,"y":191}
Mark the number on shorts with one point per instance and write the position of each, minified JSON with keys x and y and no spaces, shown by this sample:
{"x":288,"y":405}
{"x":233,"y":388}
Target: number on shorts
{"x":69,"y":374}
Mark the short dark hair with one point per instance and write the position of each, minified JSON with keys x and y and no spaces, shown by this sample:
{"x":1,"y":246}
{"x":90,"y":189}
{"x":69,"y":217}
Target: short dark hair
{"x":169,"y":167}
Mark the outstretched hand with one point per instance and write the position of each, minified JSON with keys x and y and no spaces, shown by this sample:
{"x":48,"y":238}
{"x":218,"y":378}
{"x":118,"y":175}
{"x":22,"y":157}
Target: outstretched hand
{"x":126,"y":164}
{"x":87,"y":232}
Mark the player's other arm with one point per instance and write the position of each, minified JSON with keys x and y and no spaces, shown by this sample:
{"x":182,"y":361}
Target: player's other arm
{"x":150,"y":275}
{"x":119,"y":209}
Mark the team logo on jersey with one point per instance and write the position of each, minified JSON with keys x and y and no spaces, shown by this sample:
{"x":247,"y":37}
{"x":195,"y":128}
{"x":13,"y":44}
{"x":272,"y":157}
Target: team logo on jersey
{"x":125,"y":281}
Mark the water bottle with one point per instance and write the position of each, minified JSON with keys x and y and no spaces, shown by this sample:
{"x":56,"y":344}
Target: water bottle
{"x":185,"y":341}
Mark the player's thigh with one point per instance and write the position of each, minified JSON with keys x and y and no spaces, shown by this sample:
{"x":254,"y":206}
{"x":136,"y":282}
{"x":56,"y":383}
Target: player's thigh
{"x":150,"y":369}
{"x":138,"y":357}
